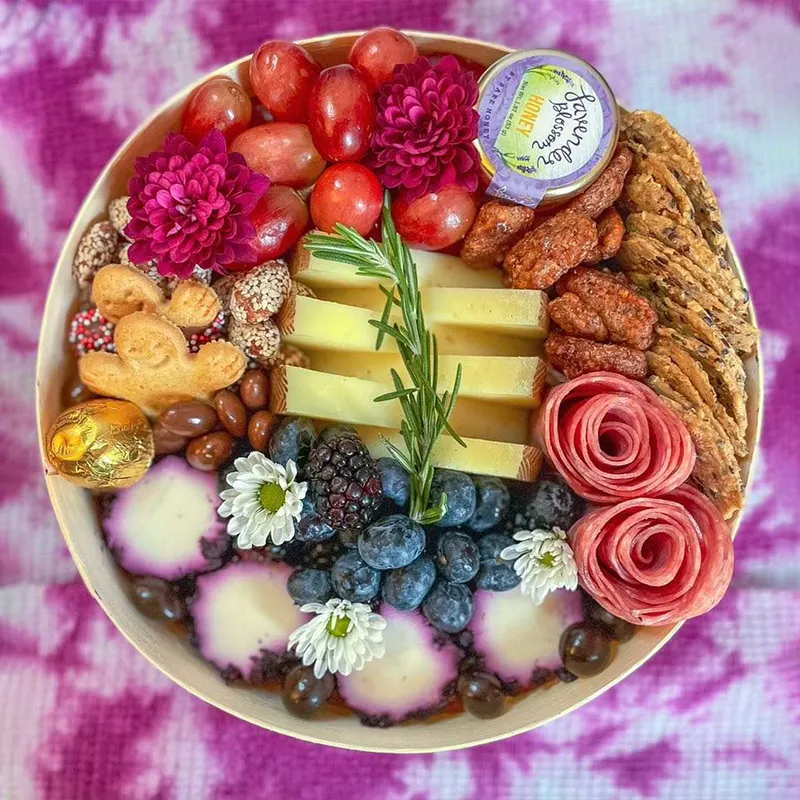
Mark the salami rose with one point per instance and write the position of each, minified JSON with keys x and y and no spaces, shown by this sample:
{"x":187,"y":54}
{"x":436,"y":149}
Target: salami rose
{"x":655,"y":561}
{"x":612,"y":439}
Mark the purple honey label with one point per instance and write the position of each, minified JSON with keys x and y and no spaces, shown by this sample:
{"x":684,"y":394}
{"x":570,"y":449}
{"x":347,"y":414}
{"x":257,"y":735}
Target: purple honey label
{"x":546,"y":121}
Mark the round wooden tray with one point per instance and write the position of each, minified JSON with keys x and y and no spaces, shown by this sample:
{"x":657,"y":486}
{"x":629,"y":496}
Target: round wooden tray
{"x":171,"y":654}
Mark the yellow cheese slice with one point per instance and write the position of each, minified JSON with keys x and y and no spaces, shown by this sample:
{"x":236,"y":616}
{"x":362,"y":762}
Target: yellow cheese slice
{"x":308,"y":322}
{"x":515,"y":380}
{"x":433,"y":269}
{"x":512,"y":312}
{"x":479,"y":457}
{"x":319,"y":395}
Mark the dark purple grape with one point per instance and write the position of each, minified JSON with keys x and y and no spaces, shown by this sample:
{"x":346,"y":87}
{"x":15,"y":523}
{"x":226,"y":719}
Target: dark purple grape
{"x":619,"y":630}
{"x":585,"y":649}
{"x":482,"y":695}
{"x":303,"y":694}
{"x":156,"y":599}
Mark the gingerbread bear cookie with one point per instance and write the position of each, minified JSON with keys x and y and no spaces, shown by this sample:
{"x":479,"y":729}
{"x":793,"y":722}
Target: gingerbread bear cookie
{"x":153,"y":367}
{"x":119,"y":290}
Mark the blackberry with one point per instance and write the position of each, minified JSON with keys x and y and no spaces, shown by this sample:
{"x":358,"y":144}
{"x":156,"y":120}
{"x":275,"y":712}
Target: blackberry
{"x":320,"y":555}
{"x":344,"y":479}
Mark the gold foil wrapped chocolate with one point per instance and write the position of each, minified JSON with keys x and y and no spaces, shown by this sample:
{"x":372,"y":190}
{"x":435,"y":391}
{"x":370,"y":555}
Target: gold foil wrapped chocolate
{"x":101,"y":444}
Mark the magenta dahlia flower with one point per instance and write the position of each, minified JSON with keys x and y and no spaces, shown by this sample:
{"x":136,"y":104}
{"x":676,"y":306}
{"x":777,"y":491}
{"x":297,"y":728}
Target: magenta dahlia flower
{"x":425,"y":128}
{"x":189,"y":206}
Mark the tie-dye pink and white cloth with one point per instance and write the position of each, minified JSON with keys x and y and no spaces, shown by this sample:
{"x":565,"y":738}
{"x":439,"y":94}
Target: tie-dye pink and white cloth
{"x":715,"y":715}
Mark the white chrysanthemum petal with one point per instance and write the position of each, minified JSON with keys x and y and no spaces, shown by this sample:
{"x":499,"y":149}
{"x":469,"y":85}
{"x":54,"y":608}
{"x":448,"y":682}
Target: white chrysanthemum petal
{"x":544,"y":562}
{"x":362,"y":642}
{"x":250,"y":522}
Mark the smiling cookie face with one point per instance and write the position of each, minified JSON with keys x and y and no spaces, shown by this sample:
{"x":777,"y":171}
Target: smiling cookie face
{"x":153,"y":367}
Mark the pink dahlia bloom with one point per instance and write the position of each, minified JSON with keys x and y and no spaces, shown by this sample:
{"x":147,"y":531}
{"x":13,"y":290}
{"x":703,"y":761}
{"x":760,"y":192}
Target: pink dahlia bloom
{"x":189,"y":206}
{"x":425,"y":129}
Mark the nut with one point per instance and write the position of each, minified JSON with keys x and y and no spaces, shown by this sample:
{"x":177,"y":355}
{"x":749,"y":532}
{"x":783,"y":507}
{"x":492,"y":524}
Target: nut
{"x":118,"y":215}
{"x":258,"y":342}
{"x":96,"y":249}
{"x":260,"y":293}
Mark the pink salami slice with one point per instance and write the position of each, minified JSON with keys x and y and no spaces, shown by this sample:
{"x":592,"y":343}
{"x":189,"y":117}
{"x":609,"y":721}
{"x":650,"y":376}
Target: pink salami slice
{"x":612,"y":439}
{"x":655,"y":561}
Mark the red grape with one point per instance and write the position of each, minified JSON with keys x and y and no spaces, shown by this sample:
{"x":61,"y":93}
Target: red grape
{"x":341,"y":114}
{"x":282,"y":74}
{"x":346,"y":193}
{"x":280,"y":218}
{"x":283,"y":151}
{"x":218,"y":103}
{"x":376,"y":53}
{"x":436,"y":220}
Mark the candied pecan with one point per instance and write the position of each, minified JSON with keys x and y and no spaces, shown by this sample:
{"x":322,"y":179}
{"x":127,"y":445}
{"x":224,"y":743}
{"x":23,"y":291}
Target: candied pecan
{"x":607,"y":188}
{"x":496,"y":228}
{"x":610,"y":230}
{"x":544,"y":254}
{"x":574,"y":317}
{"x":628,"y":316}
{"x":574,"y":356}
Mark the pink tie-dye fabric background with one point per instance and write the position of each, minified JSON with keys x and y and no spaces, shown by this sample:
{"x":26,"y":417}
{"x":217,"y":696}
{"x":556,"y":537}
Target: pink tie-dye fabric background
{"x":715,"y":715}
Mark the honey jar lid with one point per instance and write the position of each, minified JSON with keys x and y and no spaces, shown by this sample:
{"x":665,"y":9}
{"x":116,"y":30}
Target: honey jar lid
{"x":548,"y":125}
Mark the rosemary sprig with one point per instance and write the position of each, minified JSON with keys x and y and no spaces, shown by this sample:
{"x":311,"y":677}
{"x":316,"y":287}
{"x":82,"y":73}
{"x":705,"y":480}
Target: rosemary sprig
{"x":426,"y":413}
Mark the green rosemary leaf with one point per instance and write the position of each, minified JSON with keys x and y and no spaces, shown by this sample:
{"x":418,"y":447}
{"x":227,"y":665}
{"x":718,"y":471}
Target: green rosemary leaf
{"x":396,"y":395}
{"x":426,"y":413}
{"x":387,"y":312}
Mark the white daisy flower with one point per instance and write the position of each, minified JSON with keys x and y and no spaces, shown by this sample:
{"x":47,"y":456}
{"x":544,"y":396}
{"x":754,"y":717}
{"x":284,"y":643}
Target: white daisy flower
{"x":544,"y":561}
{"x":263,"y":502}
{"x":342,"y":636}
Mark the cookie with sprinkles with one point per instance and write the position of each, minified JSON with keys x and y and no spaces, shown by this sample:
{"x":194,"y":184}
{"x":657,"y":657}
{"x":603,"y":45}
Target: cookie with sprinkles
{"x":90,"y":331}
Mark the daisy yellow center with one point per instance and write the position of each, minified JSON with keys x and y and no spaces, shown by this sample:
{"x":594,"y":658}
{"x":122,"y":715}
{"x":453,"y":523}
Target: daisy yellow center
{"x":338,"y":626}
{"x":271,"y":497}
{"x":547,"y":560}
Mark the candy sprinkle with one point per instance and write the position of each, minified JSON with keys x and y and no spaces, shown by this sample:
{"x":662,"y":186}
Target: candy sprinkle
{"x":90,"y":331}
{"x":211,"y":334}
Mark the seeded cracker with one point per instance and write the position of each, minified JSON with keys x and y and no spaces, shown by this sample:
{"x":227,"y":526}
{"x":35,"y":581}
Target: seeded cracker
{"x":714,"y":269}
{"x":677,"y":277}
{"x":701,"y":383}
{"x":653,"y":132}
{"x":651,"y":186}
{"x":724,"y":370}
{"x":663,"y":367}
{"x":716,"y":470}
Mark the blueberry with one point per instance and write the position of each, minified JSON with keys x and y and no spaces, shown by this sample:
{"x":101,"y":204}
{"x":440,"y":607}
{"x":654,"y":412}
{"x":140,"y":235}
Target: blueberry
{"x":448,"y":606}
{"x":457,"y":557}
{"x":550,"y":504}
{"x":406,"y":588}
{"x":311,"y":528}
{"x":495,"y":574}
{"x":395,"y":480}
{"x":461,"y":497}
{"x":492,"y":503}
{"x":336,"y":430}
{"x":309,"y":586}
{"x":392,"y":542}
{"x":292,"y":439}
{"x":353,"y":579}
